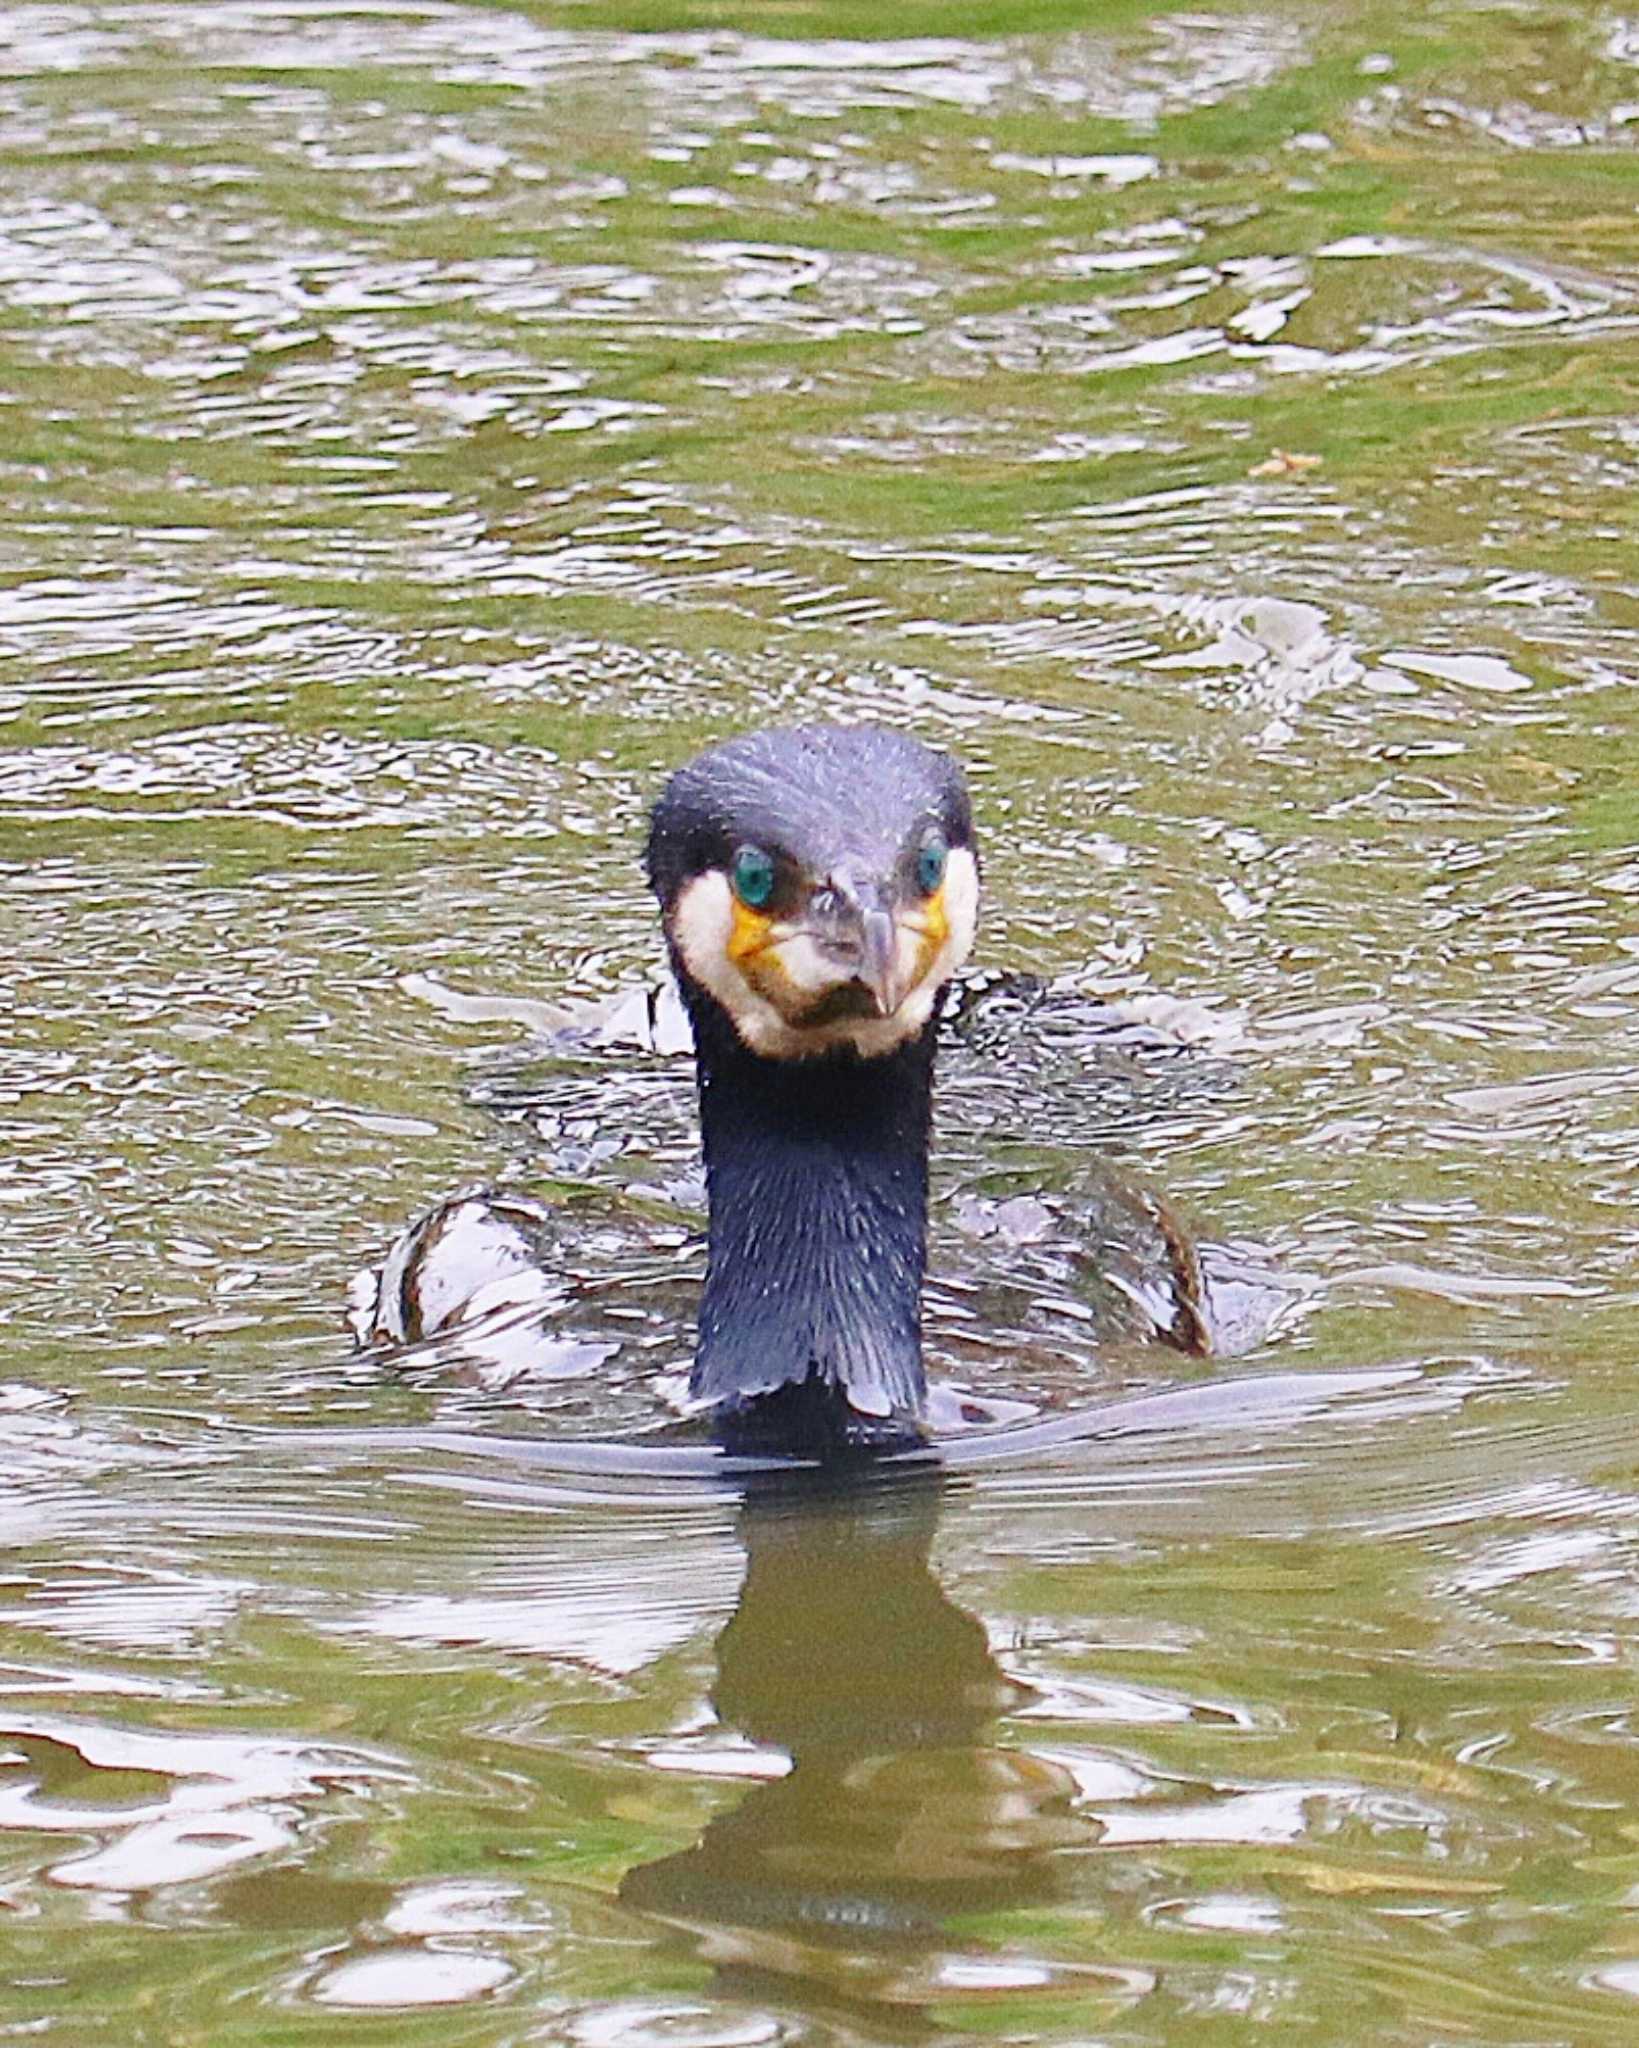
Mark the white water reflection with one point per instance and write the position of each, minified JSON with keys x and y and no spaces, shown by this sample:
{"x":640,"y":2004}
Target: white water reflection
{"x":428,"y":422}
{"x":220,"y":1800}
{"x":611,"y":1627}
{"x":408,"y":1977}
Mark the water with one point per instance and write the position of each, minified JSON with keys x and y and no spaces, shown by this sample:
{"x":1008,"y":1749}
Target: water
{"x":427,"y":423}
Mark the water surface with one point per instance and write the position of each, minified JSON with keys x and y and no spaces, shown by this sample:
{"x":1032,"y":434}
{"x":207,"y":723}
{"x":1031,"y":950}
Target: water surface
{"x":427,"y":423}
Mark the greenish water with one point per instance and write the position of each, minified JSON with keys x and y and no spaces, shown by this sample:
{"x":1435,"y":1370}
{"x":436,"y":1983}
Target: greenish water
{"x":424,"y":424}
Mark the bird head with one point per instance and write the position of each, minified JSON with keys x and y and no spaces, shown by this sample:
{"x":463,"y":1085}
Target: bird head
{"x":819,"y":883}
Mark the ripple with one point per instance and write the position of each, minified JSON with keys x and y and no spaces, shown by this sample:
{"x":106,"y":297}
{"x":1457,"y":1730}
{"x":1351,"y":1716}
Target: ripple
{"x":408,"y":1977}
{"x":656,"y":2024}
{"x":219,"y":1800}
{"x":425,"y":423}
{"x":326,"y":783}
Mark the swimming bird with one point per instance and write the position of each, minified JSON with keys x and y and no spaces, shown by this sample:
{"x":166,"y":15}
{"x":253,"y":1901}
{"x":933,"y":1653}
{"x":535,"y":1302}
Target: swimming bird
{"x":818,"y":887}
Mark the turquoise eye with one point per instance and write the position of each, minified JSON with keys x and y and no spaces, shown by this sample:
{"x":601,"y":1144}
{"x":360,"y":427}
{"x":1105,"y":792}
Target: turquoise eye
{"x":930,"y":865}
{"x":753,"y":877}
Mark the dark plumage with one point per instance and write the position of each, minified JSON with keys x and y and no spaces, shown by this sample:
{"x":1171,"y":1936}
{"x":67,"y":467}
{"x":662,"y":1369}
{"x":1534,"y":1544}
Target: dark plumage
{"x":817,"y":1181}
{"x":814,"y":1013}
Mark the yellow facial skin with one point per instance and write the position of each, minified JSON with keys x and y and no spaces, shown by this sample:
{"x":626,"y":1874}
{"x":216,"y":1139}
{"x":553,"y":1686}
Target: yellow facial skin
{"x":780,"y":986}
{"x":752,"y":934}
{"x":774,"y":957}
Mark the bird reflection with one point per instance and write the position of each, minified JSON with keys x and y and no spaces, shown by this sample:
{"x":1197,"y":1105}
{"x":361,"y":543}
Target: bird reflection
{"x":898,"y":1814}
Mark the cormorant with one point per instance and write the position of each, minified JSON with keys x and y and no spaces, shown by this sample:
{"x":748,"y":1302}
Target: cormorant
{"x":819,"y":886}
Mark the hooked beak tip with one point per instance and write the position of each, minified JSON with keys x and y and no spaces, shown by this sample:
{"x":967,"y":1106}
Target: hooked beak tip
{"x":879,"y":961}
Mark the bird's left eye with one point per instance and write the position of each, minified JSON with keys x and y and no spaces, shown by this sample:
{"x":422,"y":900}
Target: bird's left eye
{"x":753,"y":877}
{"x":930,"y":864}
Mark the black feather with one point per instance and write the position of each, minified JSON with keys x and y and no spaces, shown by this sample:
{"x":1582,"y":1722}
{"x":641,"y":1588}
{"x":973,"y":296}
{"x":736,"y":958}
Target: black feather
{"x":816,"y":1169}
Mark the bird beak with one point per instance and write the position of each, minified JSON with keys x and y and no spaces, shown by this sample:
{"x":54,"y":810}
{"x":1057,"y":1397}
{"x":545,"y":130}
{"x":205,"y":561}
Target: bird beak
{"x":854,"y":930}
{"x":878,"y":970}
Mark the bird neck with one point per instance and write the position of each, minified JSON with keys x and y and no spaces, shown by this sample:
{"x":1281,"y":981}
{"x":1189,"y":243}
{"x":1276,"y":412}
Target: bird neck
{"x":817,"y":1184}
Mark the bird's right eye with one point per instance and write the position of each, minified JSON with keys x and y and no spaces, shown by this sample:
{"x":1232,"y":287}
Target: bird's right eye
{"x":753,"y":875}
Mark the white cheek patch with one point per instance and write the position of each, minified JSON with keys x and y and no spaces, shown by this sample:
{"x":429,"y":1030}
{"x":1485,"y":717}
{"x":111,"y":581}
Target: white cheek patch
{"x":702,"y":926}
{"x":961,"y":902}
{"x":961,"y":914}
{"x":808,"y":970}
